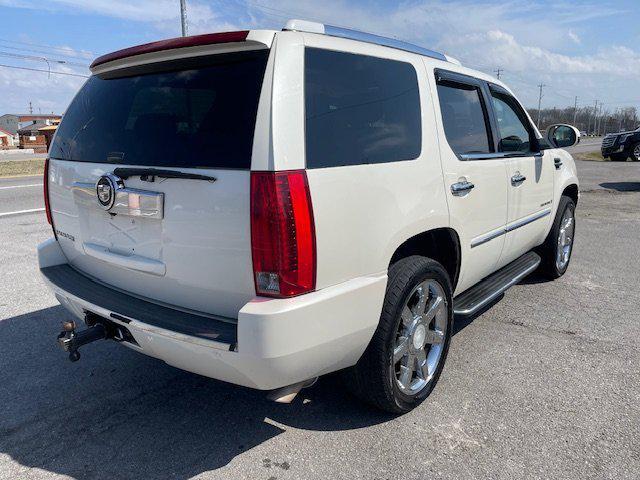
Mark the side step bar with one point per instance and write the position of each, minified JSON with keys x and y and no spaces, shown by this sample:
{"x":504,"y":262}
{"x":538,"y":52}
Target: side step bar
{"x":481,"y":294}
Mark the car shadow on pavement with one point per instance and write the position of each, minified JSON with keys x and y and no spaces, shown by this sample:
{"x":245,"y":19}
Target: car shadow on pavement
{"x":119,"y":414}
{"x":622,"y":186}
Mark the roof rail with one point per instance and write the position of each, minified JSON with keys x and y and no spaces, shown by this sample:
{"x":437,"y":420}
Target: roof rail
{"x":314,"y":27}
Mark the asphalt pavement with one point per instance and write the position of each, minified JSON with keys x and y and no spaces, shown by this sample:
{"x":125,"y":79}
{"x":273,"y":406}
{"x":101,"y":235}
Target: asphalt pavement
{"x":20,"y":195}
{"x":544,"y":384}
{"x":587,"y":144}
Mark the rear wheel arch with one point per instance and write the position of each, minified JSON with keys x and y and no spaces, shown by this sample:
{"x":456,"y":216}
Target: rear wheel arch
{"x":440,"y":244}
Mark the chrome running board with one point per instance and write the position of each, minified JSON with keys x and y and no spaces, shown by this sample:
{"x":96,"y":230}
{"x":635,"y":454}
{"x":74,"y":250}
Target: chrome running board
{"x":481,"y":294}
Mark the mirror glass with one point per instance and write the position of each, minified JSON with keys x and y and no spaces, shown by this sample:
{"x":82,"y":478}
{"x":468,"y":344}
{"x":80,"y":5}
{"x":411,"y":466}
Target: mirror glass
{"x":564,"y":136}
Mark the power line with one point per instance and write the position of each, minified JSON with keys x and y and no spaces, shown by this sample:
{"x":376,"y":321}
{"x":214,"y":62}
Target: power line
{"x":45,"y":71}
{"x":43,"y":52}
{"x":62,"y":49}
{"x":33,"y":57}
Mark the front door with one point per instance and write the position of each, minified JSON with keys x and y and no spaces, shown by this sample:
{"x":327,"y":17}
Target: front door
{"x":529,"y":178}
{"x":473,"y":174}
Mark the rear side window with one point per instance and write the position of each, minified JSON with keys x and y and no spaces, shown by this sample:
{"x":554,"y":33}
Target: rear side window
{"x":201,"y":113}
{"x":464,"y":118}
{"x":360,"y":109}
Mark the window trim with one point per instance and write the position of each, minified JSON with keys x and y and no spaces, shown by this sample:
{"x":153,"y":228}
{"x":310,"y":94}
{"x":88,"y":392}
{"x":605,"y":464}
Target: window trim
{"x":534,"y":144}
{"x":455,"y":78}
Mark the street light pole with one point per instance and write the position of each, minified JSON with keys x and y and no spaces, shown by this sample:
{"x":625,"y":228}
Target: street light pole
{"x":183,"y":17}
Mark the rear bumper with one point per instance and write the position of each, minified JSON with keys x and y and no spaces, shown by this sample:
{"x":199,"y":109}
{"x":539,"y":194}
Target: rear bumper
{"x":273,"y":343}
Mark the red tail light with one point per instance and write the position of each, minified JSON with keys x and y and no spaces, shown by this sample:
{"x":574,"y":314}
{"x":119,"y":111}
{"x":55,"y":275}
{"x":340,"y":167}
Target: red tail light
{"x":283,"y":239}
{"x":45,"y":184}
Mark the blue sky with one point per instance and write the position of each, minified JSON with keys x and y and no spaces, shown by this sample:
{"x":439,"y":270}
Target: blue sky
{"x":589,"y":49}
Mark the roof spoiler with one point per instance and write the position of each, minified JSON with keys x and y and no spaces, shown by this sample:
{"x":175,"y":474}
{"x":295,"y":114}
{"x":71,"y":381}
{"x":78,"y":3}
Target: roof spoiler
{"x":171,"y":44}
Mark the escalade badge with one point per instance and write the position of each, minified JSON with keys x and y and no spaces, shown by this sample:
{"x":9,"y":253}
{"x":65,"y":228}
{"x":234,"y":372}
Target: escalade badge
{"x":106,"y":187}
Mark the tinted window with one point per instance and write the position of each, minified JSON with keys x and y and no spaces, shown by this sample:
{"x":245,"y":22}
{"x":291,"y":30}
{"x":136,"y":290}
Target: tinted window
{"x":513,"y":134}
{"x":360,"y":109}
{"x":201,"y":116}
{"x":464,"y":118}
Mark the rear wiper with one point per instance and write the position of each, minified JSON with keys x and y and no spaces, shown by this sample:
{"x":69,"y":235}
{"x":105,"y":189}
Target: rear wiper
{"x":148,"y":174}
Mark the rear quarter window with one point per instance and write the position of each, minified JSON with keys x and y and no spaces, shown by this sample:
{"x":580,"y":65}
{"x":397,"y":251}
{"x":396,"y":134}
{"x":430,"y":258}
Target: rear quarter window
{"x":360,"y":109}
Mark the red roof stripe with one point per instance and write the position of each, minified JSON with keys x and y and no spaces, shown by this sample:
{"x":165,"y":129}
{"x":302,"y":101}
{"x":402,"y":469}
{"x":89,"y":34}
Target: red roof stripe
{"x":171,"y":43}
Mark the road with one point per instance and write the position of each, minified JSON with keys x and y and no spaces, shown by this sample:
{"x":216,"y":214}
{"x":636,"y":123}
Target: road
{"x":20,"y":194}
{"x":587,"y":144}
{"x":545,"y":384}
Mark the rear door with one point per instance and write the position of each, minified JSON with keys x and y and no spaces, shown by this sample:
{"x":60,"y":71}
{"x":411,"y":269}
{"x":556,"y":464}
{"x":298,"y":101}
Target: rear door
{"x":182,"y":241}
{"x":529,"y":177}
{"x":474,"y":174}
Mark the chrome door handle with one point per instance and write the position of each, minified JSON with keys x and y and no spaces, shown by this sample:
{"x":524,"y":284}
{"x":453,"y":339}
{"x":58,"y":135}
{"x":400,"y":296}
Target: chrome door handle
{"x":461,"y":188}
{"x":517,"y":179}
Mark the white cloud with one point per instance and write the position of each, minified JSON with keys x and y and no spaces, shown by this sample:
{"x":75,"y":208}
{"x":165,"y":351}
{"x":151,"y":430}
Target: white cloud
{"x":530,"y":40}
{"x":574,"y":37}
{"x":19,"y":87}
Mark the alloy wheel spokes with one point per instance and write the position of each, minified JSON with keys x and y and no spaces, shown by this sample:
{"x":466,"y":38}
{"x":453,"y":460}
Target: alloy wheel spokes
{"x":401,"y":349}
{"x":565,"y":239}
{"x":406,"y":371}
{"x":420,"y":337}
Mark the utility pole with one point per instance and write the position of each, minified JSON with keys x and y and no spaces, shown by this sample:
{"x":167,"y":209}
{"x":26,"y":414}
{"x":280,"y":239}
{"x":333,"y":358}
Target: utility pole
{"x":575,"y":110}
{"x":498,"y":71}
{"x":594,"y":119}
{"x":599,"y":119}
{"x":620,"y":123}
{"x":30,"y":108}
{"x":183,"y":17}
{"x":541,"y":86}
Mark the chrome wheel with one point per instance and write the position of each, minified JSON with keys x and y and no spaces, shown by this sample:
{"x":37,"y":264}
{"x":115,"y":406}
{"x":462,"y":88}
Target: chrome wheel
{"x":420,"y":337}
{"x":636,"y":153}
{"x":565,"y":239}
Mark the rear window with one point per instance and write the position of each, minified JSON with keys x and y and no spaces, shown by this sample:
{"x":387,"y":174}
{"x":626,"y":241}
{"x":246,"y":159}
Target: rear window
{"x":360,"y":109}
{"x":201,"y":113}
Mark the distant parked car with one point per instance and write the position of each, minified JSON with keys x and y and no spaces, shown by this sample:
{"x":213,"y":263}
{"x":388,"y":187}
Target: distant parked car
{"x":620,"y":146}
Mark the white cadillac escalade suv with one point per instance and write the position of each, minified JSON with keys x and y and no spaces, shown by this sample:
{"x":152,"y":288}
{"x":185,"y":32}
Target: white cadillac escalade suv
{"x":264,"y":207}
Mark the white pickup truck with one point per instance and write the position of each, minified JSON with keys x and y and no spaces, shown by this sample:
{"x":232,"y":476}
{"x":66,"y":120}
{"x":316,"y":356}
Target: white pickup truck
{"x":265,"y":207}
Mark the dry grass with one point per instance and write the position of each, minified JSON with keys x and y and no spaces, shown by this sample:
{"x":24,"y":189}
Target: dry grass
{"x":10,"y":168}
{"x":590,"y":156}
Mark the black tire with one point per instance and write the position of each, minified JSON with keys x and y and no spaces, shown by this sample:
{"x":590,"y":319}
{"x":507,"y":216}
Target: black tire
{"x":618,"y":157}
{"x":634,"y":153}
{"x":549,"y":249}
{"x":373,"y":378}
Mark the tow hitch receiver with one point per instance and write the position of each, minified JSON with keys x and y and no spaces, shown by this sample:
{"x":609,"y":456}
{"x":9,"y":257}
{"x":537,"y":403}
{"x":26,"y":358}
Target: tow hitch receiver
{"x":70,"y":340}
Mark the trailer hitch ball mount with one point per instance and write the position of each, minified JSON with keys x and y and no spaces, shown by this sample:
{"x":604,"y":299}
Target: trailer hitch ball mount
{"x":71,"y":340}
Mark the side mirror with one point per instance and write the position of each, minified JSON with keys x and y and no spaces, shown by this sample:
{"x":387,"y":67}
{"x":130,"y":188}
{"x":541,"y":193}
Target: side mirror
{"x":562,"y":136}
